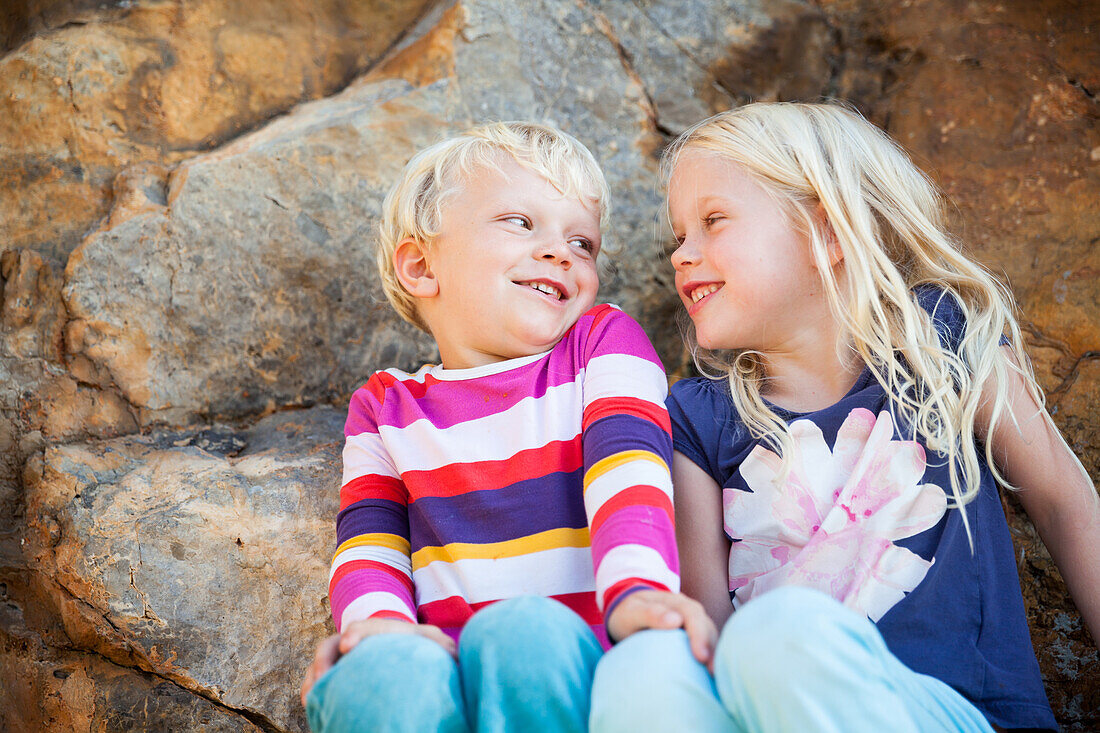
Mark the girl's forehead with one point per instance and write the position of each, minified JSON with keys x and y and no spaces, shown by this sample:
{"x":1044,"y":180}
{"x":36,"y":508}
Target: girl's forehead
{"x":703,"y":173}
{"x":694,"y":163}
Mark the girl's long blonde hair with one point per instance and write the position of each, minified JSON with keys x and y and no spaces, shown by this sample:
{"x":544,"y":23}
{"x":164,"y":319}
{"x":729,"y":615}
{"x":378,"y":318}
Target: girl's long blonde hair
{"x":888,"y":219}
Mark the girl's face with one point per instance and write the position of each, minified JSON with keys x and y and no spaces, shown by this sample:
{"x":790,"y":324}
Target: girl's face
{"x":744,"y":273}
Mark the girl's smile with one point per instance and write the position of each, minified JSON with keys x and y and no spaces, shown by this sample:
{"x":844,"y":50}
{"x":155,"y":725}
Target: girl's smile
{"x":744,"y":272}
{"x":698,"y":292}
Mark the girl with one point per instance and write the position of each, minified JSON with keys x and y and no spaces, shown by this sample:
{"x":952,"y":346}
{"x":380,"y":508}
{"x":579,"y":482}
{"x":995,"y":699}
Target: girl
{"x":873,"y":393}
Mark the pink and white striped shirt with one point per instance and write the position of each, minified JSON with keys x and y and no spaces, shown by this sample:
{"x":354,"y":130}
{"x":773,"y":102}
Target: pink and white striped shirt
{"x":543,"y":475}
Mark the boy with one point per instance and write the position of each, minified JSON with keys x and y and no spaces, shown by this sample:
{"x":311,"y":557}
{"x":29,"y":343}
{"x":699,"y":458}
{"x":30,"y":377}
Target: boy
{"x":531,"y":464}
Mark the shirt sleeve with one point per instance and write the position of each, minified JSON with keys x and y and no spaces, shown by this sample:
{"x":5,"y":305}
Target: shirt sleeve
{"x":694,"y":437}
{"x":371,"y":573}
{"x":947,"y":316}
{"x":627,"y":449}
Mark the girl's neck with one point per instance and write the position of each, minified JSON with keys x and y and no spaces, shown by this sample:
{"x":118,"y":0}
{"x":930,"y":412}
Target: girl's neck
{"x":810,"y":375}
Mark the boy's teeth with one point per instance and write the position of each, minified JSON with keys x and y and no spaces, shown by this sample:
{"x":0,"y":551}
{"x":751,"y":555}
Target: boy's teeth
{"x":545,"y":288}
{"x":703,"y":291}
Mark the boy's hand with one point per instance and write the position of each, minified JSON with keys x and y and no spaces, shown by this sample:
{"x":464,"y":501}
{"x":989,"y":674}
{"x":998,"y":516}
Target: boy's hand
{"x":656,"y":609}
{"x":337,"y":645}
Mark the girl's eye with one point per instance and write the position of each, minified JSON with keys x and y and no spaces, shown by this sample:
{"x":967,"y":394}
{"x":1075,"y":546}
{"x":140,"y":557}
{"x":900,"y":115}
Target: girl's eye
{"x":520,"y":221}
{"x":712,"y":220}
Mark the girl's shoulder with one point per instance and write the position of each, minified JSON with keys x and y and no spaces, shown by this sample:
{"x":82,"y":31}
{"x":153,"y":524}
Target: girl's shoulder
{"x":695,"y":394}
{"x":704,"y":424}
{"x":948,"y":316}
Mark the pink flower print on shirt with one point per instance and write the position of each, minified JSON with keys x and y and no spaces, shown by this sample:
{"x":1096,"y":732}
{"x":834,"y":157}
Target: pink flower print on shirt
{"x":831,"y":524}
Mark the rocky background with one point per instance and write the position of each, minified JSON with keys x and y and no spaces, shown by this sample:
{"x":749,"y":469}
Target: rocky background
{"x":187,"y":196}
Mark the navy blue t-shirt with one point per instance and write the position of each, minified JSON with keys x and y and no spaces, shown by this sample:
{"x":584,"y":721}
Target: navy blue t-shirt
{"x":863,"y":516}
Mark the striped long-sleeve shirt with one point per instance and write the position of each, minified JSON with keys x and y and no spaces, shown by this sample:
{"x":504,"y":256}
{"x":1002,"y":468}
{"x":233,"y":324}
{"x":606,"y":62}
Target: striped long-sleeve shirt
{"x":543,"y":475}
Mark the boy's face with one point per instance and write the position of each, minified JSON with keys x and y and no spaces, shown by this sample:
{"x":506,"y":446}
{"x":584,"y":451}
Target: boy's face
{"x":515,"y":263}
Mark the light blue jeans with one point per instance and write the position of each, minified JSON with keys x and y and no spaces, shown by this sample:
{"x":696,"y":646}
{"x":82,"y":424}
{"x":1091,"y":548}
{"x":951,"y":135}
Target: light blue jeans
{"x":524,"y":664}
{"x":791,"y":660}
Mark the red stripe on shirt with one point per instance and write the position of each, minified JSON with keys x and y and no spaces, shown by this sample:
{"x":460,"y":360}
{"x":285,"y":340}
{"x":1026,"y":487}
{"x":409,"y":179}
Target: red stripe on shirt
{"x":455,"y":611}
{"x":608,"y":406}
{"x":640,"y":495}
{"x":611,"y":593}
{"x":356,"y":565}
{"x":372,"y":486}
{"x":460,"y":478}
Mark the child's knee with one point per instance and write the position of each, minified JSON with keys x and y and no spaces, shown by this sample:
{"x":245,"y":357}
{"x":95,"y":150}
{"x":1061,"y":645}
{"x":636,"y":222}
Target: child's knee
{"x":361,"y":689}
{"x":645,"y":665}
{"x":651,"y":681}
{"x":777,"y":634}
{"x":379,"y":660}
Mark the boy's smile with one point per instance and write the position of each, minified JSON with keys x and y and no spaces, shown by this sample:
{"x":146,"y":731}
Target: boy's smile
{"x":515,"y":265}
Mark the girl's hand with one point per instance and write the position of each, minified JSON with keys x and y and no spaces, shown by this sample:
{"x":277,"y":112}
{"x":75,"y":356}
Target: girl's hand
{"x":655,"y":609}
{"x":337,"y":645}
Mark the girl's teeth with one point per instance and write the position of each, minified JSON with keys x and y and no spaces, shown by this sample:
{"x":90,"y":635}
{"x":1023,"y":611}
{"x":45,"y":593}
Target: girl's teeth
{"x":702,"y":292}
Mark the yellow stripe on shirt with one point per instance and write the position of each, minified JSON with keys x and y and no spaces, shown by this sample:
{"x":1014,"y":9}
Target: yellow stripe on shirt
{"x":548,"y":540}
{"x":620,"y":459}
{"x":376,"y":539}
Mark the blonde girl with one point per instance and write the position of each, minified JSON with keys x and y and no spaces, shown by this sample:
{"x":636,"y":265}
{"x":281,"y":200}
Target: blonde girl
{"x":836,"y":473}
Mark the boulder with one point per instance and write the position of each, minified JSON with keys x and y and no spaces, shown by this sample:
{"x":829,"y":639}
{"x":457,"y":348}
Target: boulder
{"x":244,"y":280}
{"x":198,"y":559}
{"x":90,"y":88}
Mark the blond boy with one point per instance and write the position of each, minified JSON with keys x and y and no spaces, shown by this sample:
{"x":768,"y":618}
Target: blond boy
{"x":518,"y":492}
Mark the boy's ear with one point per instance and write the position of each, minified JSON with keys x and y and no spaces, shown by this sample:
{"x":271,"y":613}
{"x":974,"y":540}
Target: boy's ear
{"x":836,"y":254}
{"x":414,"y":271}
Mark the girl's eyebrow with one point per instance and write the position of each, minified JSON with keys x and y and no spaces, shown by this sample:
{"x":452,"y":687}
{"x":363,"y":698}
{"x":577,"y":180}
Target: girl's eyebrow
{"x":711,"y":199}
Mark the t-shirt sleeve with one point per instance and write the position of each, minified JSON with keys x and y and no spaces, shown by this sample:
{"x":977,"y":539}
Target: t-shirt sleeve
{"x":627,"y":452}
{"x":695,"y":423}
{"x":371,"y":573}
{"x":948,"y":317}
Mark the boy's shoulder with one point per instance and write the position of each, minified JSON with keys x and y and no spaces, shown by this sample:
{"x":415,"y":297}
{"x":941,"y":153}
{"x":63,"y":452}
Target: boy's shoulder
{"x":596,"y":318}
{"x":386,"y":378}
{"x":606,"y":327}
{"x":382,"y":381}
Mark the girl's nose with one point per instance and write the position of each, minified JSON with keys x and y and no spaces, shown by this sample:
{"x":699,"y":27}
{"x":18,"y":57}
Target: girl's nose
{"x":684,"y":256}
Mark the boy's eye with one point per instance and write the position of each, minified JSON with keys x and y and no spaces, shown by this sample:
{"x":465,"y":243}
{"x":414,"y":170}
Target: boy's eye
{"x":712,"y":220}
{"x":519,"y":221}
{"x":585,"y":245}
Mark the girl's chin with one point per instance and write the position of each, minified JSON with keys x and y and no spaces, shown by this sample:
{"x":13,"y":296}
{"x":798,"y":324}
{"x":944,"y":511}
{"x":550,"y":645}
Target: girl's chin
{"x":712,"y":343}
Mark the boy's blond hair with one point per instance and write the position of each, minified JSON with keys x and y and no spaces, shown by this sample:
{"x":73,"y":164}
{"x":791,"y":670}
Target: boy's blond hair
{"x":413,"y":207}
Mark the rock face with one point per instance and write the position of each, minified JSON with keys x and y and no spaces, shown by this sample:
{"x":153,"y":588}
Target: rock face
{"x":188,"y":295}
{"x":152,"y":80}
{"x":198,"y":558}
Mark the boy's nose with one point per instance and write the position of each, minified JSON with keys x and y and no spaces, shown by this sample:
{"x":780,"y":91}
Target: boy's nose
{"x":555,"y":250}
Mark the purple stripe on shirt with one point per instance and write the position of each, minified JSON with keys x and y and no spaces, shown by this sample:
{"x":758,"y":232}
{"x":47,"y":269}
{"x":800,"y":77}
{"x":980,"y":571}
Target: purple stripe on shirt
{"x":617,"y":433}
{"x":495,"y":393}
{"x":369,"y":516}
{"x":361,"y":411}
{"x":488,"y":395}
{"x":519,"y":510}
{"x":364,"y":581}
